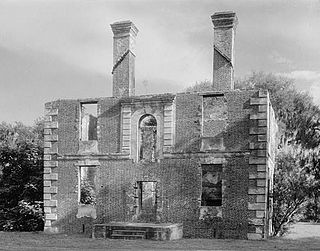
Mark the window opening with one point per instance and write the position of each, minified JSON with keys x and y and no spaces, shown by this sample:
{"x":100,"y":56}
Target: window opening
{"x":87,"y":193}
{"x":211,"y":185}
{"x":89,"y":119}
{"x":147,"y":138}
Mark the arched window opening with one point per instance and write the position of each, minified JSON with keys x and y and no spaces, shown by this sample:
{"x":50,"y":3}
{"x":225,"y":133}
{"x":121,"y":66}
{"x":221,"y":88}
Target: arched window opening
{"x":147,"y":138}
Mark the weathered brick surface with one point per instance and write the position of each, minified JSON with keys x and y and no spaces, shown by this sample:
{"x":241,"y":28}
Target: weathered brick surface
{"x":69,"y":120}
{"x":188,"y":122}
{"x":177,"y":172}
{"x":109,"y":125}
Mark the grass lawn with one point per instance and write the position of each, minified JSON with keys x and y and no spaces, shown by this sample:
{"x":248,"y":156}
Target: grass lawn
{"x":302,"y":237}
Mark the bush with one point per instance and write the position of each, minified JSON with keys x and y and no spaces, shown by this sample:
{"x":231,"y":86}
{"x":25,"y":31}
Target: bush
{"x":24,"y":217}
{"x":87,"y":194}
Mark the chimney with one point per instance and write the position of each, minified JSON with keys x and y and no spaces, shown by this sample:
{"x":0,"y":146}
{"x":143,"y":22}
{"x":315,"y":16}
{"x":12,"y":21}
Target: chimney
{"x":124,"y":38}
{"x":223,"y":50}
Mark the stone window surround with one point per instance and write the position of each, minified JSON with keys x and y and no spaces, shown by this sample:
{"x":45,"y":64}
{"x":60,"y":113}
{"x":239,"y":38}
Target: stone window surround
{"x":130,"y":126}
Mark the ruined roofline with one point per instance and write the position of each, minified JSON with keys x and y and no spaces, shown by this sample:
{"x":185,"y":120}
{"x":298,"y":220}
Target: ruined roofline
{"x":151,"y":97}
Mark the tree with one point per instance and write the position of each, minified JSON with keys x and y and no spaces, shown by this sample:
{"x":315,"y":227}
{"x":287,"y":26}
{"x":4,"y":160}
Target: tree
{"x":21,"y":182}
{"x":292,"y":186}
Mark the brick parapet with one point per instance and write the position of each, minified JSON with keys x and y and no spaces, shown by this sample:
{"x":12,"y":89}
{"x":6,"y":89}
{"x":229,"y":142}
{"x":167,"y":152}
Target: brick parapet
{"x":258,"y":170}
{"x":50,"y":164}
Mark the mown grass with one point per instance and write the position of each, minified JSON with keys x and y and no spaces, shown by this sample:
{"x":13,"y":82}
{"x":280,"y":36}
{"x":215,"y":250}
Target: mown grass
{"x":41,"y":241}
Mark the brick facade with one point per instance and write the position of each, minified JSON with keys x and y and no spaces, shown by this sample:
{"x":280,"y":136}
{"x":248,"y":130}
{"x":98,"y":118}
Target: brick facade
{"x":230,"y":129}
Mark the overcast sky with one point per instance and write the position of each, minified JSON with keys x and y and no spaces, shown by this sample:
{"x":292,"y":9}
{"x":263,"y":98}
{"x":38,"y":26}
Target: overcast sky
{"x":54,"y":49}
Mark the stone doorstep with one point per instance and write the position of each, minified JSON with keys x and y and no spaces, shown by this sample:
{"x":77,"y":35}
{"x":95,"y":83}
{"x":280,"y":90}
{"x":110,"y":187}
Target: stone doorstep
{"x":125,"y":230}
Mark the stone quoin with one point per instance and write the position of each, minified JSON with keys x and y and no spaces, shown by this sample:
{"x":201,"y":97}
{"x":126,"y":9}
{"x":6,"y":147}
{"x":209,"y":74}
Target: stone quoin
{"x":200,"y":162}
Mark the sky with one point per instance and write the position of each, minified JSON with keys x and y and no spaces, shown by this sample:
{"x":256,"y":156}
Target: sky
{"x":52,"y":49}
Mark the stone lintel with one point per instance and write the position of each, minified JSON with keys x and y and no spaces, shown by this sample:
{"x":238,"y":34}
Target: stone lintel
{"x":88,"y":162}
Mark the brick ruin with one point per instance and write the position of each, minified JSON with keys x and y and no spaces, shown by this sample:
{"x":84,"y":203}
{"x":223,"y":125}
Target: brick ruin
{"x":205,"y":160}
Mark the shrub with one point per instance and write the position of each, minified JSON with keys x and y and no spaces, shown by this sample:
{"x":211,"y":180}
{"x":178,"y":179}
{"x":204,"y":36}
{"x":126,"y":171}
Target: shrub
{"x":23,"y":217}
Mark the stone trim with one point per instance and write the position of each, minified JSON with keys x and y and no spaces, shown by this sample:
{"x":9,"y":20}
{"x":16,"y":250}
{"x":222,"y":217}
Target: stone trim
{"x":88,"y":162}
{"x":126,"y":129}
{"x":258,"y":171}
{"x":49,"y":166}
{"x":168,"y":127}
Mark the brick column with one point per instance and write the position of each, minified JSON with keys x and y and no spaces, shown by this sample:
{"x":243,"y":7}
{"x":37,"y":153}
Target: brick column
{"x":123,"y":70}
{"x":50,"y":163}
{"x":258,"y":170}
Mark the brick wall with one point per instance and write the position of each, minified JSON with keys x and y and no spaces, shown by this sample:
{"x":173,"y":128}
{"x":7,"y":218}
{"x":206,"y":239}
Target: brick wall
{"x":238,"y":121}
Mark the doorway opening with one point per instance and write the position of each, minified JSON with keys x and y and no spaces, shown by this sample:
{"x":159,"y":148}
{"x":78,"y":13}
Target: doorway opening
{"x":147,"y":201}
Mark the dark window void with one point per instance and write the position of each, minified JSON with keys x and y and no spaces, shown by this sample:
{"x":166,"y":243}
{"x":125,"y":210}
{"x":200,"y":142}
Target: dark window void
{"x":89,"y":121}
{"x":147,"y":138}
{"x":87,"y":176}
{"x":211,"y":185}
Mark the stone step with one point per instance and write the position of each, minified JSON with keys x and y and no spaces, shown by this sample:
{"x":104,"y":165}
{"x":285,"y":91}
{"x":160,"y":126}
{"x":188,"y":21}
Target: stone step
{"x":128,"y":232}
{"x":127,"y":236}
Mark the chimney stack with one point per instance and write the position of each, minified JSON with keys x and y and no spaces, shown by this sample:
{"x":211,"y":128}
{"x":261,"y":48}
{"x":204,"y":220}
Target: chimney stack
{"x":124,"y":38}
{"x":223,"y":50}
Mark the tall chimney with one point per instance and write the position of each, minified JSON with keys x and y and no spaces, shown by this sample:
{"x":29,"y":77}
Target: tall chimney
{"x":124,"y":38}
{"x":223,"y":50}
